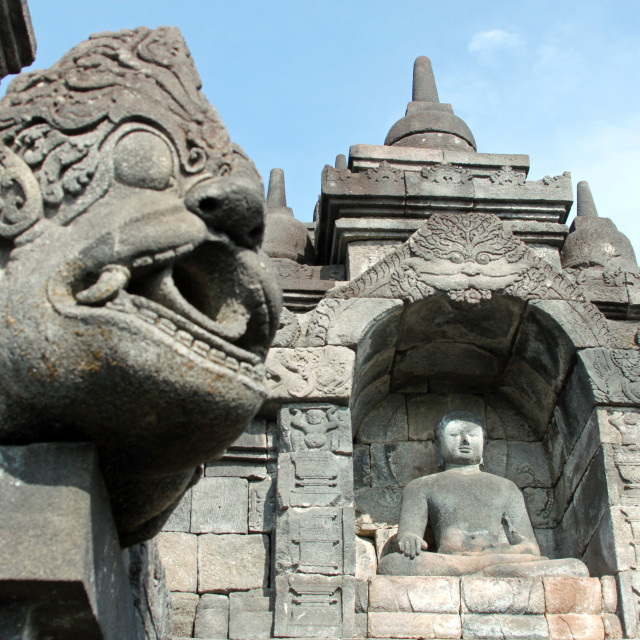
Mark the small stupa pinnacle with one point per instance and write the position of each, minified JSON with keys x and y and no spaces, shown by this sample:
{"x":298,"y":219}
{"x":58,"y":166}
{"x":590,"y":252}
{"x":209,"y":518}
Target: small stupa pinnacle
{"x":341,"y":162}
{"x":285,"y":237}
{"x":586,"y":205}
{"x":424,"y":83}
{"x":276,"y":196}
{"x":429,"y":123}
{"x":595,"y":242}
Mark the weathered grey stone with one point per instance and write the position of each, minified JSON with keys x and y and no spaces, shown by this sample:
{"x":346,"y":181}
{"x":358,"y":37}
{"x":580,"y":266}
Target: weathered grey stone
{"x":363,"y":254}
{"x":609,"y":594}
{"x":589,"y":501}
{"x":608,"y":550}
{"x":368,"y":395}
{"x":527,"y":465}
{"x":258,"y":437}
{"x":361,"y":466}
{"x":554,"y":447}
{"x":414,"y":594}
{"x":547,"y":542}
{"x":612,"y":626}
{"x":463,"y":501}
{"x":151,"y":596}
{"x":362,"y":595}
{"x":360,"y":625}
{"x":505,"y":422}
{"x":488,"y":627}
{"x":231,"y":562}
{"x":495,"y":457}
{"x":379,"y":505}
{"x":580,"y":457}
{"x":184,"y":613}
{"x":60,"y":552}
{"x":220,"y":505}
{"x":366,"y":559}
{"x":511,"y":596}
{"x":316,"y":541}
{"x":180,"y":519}
{"x":368,"y":325}
{"x":119,"y":356}
{"x":314,"y":606}
{"x":387,"y":422}
{"x":262,"y":505}
{"x":179,"y":554}
{"x":212,"y":617}
{"x":395,"y":464}
{"x":444,"y":365}
{"x":311,"y":374}
{"x":250,"y":471}
{"x":251,"y":615}
{"x":413,"y":625}
{"x":425,"y":410}
{"x":315,"y":427}
{"x":314,"y":479}
{"x":541,"y":506}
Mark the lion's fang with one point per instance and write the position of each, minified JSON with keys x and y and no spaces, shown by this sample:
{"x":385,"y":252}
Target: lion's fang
{"x":112,"y":278}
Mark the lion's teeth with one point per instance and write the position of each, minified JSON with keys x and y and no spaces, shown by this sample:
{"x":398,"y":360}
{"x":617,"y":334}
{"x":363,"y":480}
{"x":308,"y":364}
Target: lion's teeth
{"x":144,"y":261}
{"x":113,"y":278}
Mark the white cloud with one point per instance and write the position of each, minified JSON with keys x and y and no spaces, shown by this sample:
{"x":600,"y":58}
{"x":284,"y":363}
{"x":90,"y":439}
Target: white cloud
{"x":488,"y":41}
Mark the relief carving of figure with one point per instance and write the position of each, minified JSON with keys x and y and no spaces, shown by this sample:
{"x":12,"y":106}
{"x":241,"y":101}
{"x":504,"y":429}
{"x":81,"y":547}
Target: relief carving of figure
{"x":136,"y":306}
{"x":479,"y":520}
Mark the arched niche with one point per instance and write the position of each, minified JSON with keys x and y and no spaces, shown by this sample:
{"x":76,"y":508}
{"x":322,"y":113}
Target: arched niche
{"x":505,"y":358}
{"x":431,"y":334}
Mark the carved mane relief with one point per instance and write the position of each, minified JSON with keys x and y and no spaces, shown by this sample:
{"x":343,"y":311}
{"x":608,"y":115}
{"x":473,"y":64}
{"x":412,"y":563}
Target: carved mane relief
{"x":469,"y":257}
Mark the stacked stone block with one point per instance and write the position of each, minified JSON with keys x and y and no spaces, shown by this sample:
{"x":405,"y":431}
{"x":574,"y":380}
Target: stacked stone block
{"x":315,"y":542}
{"x":216,"y":547}
{"x":476,"y":608}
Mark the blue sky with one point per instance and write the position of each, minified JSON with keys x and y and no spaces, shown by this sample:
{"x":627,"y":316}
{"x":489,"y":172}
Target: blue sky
{"x":298,"y":82}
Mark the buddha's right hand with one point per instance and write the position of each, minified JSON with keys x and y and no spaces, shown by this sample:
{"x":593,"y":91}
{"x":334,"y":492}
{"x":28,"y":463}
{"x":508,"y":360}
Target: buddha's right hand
{"x":410,"y":544}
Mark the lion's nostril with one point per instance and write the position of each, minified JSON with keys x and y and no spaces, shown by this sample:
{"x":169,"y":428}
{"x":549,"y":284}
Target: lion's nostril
{"x":207,"y":206}
{"x":233,"y":206}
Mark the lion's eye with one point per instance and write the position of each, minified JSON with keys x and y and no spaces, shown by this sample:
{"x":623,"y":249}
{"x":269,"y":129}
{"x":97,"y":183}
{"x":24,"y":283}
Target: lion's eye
{"x":456,"y":257}
{"x":483,"y":258}
{"x":143,"y":159}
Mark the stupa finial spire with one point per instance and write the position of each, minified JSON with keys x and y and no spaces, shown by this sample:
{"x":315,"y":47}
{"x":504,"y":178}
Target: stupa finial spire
{"x":429,"y":123}
{"x":586,"y":205}
{"x":424,"y":82}
{"x":276,"y":196}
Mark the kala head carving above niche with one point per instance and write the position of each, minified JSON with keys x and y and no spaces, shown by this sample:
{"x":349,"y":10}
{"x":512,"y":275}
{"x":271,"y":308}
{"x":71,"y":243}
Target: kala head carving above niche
{"x":479,"y":520}
{"x":138,"y":309}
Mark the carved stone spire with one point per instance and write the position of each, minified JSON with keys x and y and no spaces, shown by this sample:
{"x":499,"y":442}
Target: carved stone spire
{"x":284,"y":236}
{"x":429,"y":123}
{"x":595,"y":241}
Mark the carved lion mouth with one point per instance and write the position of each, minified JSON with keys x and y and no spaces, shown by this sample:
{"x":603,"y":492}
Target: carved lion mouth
{"x":214,"y":298}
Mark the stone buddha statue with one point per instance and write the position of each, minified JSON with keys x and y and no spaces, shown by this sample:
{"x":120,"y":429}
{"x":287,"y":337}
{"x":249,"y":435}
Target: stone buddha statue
{"x":479,"y":520}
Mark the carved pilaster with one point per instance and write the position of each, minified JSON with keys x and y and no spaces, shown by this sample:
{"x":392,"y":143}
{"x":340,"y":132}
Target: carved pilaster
{"x":315,"y":529}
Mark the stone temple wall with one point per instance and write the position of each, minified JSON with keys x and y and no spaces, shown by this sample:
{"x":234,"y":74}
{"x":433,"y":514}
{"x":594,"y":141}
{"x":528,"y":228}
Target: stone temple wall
{"x":216,"y":547}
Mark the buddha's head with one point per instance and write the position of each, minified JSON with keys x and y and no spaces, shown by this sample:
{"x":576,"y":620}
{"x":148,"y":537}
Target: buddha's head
{"x":459,"y":439}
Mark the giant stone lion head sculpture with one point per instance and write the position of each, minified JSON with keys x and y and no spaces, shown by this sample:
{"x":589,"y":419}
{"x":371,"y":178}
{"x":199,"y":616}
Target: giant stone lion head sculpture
{"x":136,"y":306}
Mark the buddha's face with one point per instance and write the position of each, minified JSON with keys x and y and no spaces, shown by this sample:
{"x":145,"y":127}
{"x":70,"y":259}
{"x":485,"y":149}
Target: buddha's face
{"x":461,"y":443}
